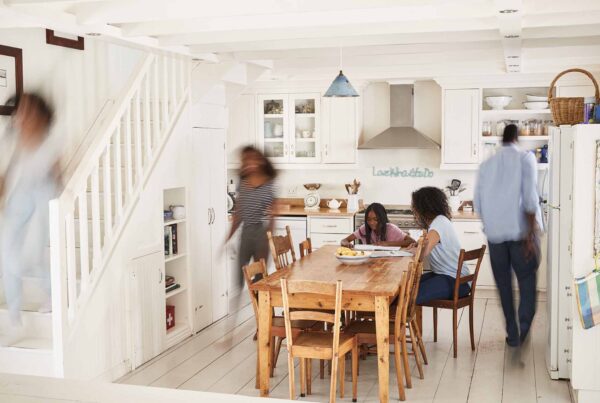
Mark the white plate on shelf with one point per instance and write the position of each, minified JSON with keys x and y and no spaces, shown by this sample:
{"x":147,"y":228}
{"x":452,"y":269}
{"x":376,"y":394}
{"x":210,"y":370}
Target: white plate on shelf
{"x":536,"y":98}
{"x":538,"y":105}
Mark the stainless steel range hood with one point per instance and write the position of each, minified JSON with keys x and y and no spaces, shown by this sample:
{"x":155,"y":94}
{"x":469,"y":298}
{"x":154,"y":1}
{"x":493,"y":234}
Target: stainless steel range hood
{"x":401,"y":133}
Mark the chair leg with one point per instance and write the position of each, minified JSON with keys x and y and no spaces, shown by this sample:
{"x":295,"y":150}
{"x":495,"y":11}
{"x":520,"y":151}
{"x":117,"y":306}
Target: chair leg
{"x":322,"y":369}
{"x":415,"y":349}
{"x":291,"y":376}
{"x":256,"y":383}
{"x":454,"y":330}
{"x":355,"y":371}
{"x":471,"y":326}
{"x":420,"y":342}
{"x":302,"y":377}
{"x":308,"y":376}
{"x":333,"y":366}
{"x":272,"y":354}
{"x":405,"y":360}
{"x":276,"y":354}
{"x":435,"y":325}
{"x":342,"y":369}
{"x":398,"y":364}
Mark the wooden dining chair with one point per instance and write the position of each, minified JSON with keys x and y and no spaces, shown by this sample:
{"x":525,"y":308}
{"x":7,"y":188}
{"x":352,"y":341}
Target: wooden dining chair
{"x":305,"y":248}
{"x":281,"y":246}
{"x":253,"y":273}
{"x":365,"y":330}
{"x":458,"y":302}
{"x":332,"y":345}
{"x":412,"y":325}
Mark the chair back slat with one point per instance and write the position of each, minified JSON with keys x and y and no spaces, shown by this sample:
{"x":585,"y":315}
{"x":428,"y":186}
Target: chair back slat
{"x":400,"y":316}
{"x":317,"y":288}
{"x":465,"y":256}
{"x":312,"y":315}
{"x":280,"y":246}
{"x":253,"y":273}
{"x":414,"y":290}
{"x":305,"y":247}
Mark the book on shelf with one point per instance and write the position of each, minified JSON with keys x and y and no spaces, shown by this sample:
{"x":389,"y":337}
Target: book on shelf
{"x":172,"y":287}
{"x":174,"y":239}
{"x":169,"y":280}
{"x":168,"y":241}
{"x":171,"y":240}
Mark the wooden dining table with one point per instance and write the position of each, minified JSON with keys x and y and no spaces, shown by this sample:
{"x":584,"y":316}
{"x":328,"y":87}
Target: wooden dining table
{"x":368,"y":287}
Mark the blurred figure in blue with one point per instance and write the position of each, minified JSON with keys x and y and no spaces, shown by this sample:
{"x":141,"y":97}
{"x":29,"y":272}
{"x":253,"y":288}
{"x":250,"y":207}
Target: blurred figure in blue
{"x":29,"y":183}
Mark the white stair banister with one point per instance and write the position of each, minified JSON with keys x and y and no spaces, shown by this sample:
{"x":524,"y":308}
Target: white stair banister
{"x":87,"y":219}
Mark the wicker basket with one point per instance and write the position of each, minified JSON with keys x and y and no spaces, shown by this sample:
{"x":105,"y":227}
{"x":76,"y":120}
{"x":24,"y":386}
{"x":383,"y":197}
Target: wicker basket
{"x":569,"y":111}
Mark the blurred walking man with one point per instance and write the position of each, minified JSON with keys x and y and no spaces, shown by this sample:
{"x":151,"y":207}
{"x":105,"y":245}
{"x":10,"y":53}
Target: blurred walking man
{"x":507,"y":200}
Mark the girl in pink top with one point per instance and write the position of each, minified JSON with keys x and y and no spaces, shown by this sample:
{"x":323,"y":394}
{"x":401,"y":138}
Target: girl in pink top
{"x":378,"y":230}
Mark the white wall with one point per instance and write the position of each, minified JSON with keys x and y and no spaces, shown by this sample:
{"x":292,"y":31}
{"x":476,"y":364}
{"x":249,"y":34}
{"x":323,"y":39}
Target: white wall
{"x":78,"y":82}
{"x":100,"y":347}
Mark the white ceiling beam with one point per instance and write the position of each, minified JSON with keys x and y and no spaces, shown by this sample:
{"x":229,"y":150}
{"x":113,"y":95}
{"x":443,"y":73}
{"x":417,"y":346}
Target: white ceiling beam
{"x":129,"y":11}
{"x":350,"y":41}
{"x":45,"y":2}
{"x":418,"y":15}
{"x":407,"y":50}
{"x":509,"y":14}
{"x":325,"y":32}
{"x":66,"y":22}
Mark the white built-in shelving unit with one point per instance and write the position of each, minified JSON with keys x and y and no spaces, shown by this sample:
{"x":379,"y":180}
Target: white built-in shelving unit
{"x":177,"y":265}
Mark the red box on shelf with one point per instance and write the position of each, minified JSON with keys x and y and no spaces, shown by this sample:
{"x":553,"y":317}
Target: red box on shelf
{"x":170,"y":316}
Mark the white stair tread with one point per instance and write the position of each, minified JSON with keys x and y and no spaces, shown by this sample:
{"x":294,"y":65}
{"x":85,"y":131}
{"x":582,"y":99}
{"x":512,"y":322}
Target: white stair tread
{"x":28,"y":307}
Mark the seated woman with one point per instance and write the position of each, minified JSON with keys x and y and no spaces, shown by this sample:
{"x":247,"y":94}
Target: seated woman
{"x":430,"y":207}
{"x":378,"y":230}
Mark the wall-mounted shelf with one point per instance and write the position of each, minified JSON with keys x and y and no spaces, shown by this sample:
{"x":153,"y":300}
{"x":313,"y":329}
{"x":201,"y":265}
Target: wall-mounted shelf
{"x":175,"y":292}
{"x":170,"y":258}
{"x":506,"y":112}
{"x":498,"y":139}
{"x":171,"y":222}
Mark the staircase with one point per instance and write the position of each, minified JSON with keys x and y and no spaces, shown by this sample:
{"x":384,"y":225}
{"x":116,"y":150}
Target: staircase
{"x":90,"y":214}
{"x":87,"y":220}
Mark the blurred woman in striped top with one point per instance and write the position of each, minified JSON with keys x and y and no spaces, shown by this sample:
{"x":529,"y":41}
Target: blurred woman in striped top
{"x":254,"y":205}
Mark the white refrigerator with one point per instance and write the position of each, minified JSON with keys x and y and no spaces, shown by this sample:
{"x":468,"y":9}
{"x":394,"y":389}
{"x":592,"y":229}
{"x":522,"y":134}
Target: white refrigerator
{"x":573,"y":353}
{"x":558,"y":212}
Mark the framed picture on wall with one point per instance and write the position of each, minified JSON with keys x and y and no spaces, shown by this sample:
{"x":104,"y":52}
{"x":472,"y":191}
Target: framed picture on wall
{"x":11,"y":76}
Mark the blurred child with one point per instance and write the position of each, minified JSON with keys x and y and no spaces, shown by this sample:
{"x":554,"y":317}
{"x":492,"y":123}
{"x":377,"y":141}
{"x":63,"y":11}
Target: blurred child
{"x":29,"y":183}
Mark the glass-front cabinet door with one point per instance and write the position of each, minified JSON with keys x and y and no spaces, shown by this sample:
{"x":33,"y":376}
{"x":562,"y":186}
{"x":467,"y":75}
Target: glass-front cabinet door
{"x":304,"y":112}
{"x":273,"y":126}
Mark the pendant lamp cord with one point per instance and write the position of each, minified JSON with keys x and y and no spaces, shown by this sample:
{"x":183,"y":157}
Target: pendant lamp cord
{"x":341,"y":58}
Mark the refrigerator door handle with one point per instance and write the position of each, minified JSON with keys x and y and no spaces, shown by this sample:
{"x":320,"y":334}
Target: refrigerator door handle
{"x":553,"y":207}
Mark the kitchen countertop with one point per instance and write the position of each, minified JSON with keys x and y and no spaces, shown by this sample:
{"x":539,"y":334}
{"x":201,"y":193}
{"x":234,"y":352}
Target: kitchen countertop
{"x":465,"y":216}
{"x":322,"y":211}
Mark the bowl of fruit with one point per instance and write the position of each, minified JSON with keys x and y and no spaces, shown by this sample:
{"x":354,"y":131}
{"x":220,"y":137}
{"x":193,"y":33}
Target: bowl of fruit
{"x":349,"y":256}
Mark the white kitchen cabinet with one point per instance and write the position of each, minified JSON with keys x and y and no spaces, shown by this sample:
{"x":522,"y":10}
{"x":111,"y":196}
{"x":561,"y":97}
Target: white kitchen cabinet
{"x":340,"y":130}
{"x":326,"y":230}
{"x":147,"y":275}
{"x":288,"y":127}
{"x":460,"y":128}
{"x":241,"y":130}
{"x":209,"y":226}
{"x":471,"y":236}
{"x":575,"y":91}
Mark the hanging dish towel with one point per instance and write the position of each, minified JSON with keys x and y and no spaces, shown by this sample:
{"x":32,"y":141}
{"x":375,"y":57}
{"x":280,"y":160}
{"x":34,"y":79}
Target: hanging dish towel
{"x":588,"y":299}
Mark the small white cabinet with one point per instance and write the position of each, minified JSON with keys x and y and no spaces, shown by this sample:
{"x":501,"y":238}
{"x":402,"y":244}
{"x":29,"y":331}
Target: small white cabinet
{"x":147,"y":275}
{"x":460,"y":133}
{"x":340,"y":130}
{"x":289,"y":127}
{"x":471,"y":236}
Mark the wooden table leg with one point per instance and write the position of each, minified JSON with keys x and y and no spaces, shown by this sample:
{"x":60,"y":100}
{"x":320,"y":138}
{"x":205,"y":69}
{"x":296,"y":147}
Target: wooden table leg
{"x":264,"y":339}
{"x":382,"y":326}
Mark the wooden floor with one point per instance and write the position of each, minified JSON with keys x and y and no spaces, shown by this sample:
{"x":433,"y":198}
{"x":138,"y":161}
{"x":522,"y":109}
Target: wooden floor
{"x":222,"y":359}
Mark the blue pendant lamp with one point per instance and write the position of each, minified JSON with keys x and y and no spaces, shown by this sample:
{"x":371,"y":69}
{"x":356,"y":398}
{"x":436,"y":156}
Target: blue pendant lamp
{"x":341,"y":87}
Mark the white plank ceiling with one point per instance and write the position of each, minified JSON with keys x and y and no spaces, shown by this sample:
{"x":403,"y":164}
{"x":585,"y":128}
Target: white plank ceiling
{"x":381,"y":39}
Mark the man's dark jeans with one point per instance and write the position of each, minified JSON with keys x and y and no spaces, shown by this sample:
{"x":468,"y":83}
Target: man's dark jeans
{"x":507,"y":255}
